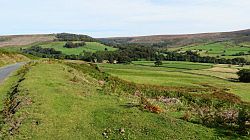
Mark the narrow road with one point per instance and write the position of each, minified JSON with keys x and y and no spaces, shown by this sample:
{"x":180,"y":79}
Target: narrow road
{"x":7,"y":70}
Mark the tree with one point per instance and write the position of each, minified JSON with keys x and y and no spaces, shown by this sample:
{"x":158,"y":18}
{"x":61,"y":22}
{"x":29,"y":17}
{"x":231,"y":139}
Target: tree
{"x":88,"y":56}
{"x":70,"y":44}
{"x":124,"y":59}
{"x":99,"y":58}
{"x":111,"y":59}
{"x":158,"y":62}
{"x":244,"y":75}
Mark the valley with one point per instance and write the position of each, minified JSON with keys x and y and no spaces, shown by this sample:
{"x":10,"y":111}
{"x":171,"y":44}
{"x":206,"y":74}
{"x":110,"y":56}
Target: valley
{"x":106,"y":90}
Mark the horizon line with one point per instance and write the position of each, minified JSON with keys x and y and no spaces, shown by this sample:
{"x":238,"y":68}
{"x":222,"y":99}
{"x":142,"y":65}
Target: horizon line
{"x":126,"y":36}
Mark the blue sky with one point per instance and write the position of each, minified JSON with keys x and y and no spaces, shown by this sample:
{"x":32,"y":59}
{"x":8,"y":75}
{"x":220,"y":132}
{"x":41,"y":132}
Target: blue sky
{"x":106,"y":18}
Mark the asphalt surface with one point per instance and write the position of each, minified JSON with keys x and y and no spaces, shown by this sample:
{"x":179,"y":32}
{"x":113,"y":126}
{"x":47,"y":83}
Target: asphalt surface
{"x":7,"y":70}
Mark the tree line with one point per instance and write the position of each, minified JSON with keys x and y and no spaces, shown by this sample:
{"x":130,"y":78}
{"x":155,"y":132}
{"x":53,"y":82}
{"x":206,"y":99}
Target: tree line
{"x":195,"y":57}
{"x":74,"y":37}
{"x":71,"y":44}
{"x":126,"y":54}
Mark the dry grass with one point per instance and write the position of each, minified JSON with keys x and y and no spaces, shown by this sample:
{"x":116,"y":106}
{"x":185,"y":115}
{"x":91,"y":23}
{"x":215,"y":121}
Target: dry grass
{"x":6,"y":59}
{"x":220,"y":69}
{"x":19,"y":40}
{"x":183,"y":39}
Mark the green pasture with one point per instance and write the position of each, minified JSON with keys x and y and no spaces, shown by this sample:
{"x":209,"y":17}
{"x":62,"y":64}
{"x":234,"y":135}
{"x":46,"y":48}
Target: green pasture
{"x":221,"y":49}
{"x":89,"y":47}
{"x":179,"y":74}
{"x":63,"y":108}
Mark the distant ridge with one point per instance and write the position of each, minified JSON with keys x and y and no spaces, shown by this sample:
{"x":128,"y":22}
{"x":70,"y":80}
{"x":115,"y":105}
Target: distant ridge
{"x":185,"y":39}
{"x":19,"y":40}
{"x":166,"y":40}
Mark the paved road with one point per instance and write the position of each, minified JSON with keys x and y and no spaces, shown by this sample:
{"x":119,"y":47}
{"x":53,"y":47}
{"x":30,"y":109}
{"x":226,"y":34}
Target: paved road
{"x":7,"y":70}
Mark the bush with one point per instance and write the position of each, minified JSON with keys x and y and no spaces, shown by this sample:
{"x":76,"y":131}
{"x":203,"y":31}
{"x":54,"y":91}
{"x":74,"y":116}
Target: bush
{"x":158,"y":63}
{"x":187,"y":116}
{"x":145,"y":104}
{"x":74,"y":45}
{"x":244,"y":75}
{"x":242,"y":119}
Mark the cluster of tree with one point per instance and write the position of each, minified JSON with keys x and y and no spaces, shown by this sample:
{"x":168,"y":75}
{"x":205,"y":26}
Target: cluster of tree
{"x":244,"y":75}
{"x":194,"y":57}
{"x":123,"y":55}
{"x":74,"y":37}
{"x":52,"y":53}
{"x":241,"y":53}
{"x":138,"y":52}
{"x":43,"y":52}
{"x":71,"y":44}
{"x":127,"y":54}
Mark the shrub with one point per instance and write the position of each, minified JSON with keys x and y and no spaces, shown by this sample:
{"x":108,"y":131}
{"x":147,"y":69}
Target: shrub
{"x":145,"y":104}
{"x":187,"y":116}
{"x":244,"y":75}
{"x":74,"y":45}
{"x":158,"y":63}
{"x":75,"y":79}
{"x":243,"y":117}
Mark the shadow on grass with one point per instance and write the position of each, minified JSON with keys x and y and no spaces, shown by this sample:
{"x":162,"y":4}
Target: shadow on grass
{"x":228,"y":132}
{"x":165,"y":67}
{"x":130,"y":105}
{"x":234,"y":80}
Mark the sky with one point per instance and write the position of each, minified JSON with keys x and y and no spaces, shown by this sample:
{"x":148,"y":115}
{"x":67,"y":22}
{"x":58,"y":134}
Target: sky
{"x":109,"y":18}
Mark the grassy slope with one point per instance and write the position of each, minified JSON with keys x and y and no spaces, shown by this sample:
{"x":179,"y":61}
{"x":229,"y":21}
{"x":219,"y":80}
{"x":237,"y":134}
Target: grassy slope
{"x":9,"y":58}
{"x":90,"y":47}
{"x":22,"y":40}
{"x":179,"y":74}
{"x":217,"y":49}
{"x":72,"y":110}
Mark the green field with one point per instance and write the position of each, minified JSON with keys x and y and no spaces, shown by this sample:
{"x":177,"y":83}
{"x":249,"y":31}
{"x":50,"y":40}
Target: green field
{"x":222,"y":49}
{"x":89,"y":47}
{"x":177,"y":65}
{"x":60,"y":102}
{"x":181,"y":74}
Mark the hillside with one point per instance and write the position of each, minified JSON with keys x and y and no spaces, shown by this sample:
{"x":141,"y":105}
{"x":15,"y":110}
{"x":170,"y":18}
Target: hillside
{"x":182,"y":75}
{"x":10,"y":58}
{"x":20,"y":40}
{"x":74,"y":100}
{"x":89,"y":47}
{"x":24,"y":40}
{"x":183,"y":40}
{"x":54,"y":42}
{"x":165,"y":40}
